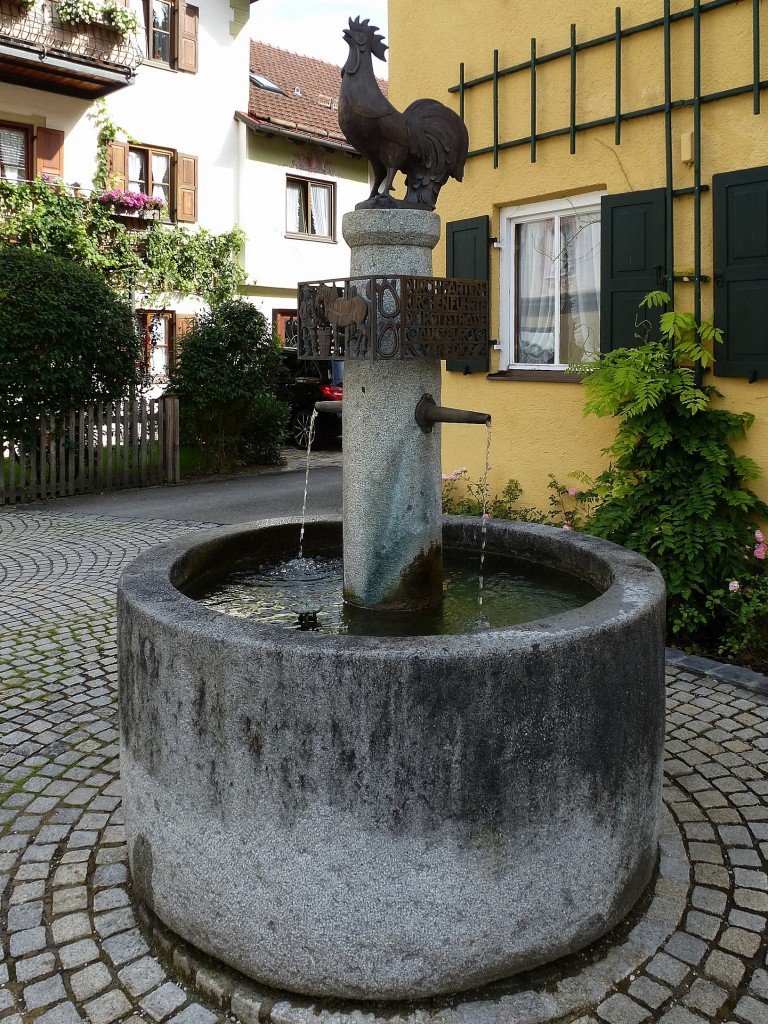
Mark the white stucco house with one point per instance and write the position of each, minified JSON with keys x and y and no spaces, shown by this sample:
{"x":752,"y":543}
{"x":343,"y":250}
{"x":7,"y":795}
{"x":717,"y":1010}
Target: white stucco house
{"x":227,"y":131}
{"x":298,"y":176}
{"x":171,"y":88}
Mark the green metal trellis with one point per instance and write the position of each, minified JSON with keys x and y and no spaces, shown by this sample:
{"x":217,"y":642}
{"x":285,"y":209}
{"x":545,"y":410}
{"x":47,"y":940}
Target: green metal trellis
{"x":618,"y":115}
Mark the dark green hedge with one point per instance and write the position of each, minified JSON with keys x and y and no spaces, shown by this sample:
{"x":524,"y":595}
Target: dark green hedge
{"x":65,"y":338}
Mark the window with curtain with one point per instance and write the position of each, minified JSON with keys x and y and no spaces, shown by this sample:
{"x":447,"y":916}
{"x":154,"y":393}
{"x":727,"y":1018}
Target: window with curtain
{"x":550,"y":303}
{"x":309,"y":208}
{"x":14,"y":153}
{"x":149,"y":171}
{"x":157,"y":328}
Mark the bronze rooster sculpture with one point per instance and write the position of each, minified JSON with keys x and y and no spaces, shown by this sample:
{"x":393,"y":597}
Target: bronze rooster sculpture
{"x":428,"y":142}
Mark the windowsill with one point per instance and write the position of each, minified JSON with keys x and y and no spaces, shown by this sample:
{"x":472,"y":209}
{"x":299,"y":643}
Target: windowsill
{"x":551,"y":376}
{"x":309,"y":238}
{"x":149,"y":63}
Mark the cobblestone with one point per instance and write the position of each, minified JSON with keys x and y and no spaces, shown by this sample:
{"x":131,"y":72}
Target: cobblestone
{"x":73,"y":951}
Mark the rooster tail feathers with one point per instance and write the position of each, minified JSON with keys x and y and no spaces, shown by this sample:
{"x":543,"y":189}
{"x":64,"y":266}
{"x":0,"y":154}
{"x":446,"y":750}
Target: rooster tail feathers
{"x":438,"y":138}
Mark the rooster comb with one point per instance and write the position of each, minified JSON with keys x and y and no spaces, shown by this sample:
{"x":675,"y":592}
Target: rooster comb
{"x":375,"y":41}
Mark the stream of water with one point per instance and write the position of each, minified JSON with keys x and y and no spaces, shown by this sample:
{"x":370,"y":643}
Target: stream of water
{"x":306,"y":483}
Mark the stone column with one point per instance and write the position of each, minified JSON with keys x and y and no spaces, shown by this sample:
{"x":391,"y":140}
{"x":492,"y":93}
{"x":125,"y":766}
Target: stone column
{"x":392,"y":470}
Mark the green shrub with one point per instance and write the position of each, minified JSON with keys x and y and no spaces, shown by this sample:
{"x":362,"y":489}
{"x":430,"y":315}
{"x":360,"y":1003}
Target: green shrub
{"x":264,"y":431}
{"x":676,"y":491}
{"x":228,"y":368}
{"x":740,"y":611}
{"x":66,"y":338}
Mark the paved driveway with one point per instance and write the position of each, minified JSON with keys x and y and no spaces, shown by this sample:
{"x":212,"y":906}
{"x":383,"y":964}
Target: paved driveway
{"x":71,"y":946}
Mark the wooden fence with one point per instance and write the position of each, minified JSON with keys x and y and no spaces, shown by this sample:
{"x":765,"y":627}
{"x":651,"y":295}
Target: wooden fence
{"x":103,"y":447}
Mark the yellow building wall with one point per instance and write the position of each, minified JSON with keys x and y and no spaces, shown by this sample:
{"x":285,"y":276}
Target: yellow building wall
{"x":538,"y":428}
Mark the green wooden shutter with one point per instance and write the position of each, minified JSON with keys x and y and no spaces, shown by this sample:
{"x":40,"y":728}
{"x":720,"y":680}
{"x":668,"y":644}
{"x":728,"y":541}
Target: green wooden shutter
{"x":740,"y":208}
{"x":632,"y":263}
{"x":466,"y":259}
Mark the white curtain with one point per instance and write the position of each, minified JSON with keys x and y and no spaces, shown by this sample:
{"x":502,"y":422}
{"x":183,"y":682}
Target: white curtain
{"x":320,"y":201}
{"x":579,"y":288}
{"x":161,"y":167}
{"x":536,"y":291}
{"x":158,"y":352}
{"x":12,"y":154}
{"x":137,"y":171}
{"x":295,"y":213}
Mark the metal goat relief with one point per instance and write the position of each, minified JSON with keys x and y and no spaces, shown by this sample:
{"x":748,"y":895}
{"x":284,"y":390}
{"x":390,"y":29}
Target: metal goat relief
{"x":393,"y":317}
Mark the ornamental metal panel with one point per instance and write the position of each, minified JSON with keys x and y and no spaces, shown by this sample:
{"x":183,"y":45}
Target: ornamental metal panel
{"x":393,"y":317}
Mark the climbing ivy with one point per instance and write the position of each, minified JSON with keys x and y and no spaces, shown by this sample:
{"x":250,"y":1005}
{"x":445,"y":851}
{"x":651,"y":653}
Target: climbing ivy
{"x":106,"y":132}
{"x":157,"y":260}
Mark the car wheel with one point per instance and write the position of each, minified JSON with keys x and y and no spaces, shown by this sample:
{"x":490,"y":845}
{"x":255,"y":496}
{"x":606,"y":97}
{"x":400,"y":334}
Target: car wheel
{"x":299,"y":427}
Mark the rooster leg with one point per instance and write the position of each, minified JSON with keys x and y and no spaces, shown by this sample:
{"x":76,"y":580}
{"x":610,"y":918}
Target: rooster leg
{"x":379,"y":171}
{"x":388,"y":184}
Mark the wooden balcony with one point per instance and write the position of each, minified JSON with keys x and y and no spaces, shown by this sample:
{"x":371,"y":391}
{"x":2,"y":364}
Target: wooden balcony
{"x":38,"y":50}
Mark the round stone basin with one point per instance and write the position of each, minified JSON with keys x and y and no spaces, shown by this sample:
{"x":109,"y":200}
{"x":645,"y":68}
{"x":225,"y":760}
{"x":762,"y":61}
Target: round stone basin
{"x":390,"y":819}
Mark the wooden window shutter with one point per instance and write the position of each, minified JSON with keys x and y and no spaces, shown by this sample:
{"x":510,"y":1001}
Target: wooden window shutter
{"x":184,"y":324}
{"x":117,"y":165}
{"x":186,"y":47}
{"x":186,"y":187}
{"x":632,"y":263}
{"x":466,"y":258}
{"x":740,"y":208}
{"x":50,"y":152}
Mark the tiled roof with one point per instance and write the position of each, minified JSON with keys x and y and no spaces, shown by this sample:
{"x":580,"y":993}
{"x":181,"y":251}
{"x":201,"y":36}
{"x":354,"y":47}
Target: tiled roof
{"x":310,"y":93}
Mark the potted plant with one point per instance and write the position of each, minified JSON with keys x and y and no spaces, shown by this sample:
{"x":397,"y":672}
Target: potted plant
{"x":21,"y":7}
{"x":78,"y":12}
{"x":119,"y":18}
{"x":132,"y":204}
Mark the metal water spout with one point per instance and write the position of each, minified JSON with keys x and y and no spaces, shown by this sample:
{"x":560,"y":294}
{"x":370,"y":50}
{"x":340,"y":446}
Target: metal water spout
{"x":337,"y":406}
{"x":428,"y":412}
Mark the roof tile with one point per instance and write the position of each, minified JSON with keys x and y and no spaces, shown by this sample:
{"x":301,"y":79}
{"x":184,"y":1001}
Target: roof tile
{"x":310,"y":90}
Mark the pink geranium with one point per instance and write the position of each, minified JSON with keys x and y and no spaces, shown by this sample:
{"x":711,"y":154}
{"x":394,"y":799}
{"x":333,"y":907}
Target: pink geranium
{"x":733,"y":586}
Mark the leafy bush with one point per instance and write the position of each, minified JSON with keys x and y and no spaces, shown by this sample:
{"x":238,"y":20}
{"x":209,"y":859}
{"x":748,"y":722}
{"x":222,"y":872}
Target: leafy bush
{"x":740,"y":611}
{"x":462,"y":496}
{"x":67,"y":339}
{"x":676,"y":491}
{"x":473,"y":498}
{"x":224,"y":379}
{"x":264,"y":431}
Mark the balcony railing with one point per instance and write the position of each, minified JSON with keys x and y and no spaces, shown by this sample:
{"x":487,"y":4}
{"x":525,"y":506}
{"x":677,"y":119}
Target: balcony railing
{"x":40,"y":47}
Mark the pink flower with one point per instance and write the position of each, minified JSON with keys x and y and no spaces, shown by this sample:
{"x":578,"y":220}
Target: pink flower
{"x":486,"y":515}
{"x":573,"y":491}
{"x":759,"y":537}
{"x":761,"y":550}
{"x":567,"y":526}
{"x":733,"y":586}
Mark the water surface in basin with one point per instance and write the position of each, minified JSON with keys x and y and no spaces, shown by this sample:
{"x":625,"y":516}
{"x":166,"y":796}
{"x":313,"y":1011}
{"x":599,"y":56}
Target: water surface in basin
{"x":276,"y":593}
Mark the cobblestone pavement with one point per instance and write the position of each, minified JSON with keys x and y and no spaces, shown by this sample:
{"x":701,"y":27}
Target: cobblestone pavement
{"x":71,"y":946}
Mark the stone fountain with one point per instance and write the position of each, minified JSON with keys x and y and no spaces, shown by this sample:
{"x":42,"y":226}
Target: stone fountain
{"x":390,"y":819}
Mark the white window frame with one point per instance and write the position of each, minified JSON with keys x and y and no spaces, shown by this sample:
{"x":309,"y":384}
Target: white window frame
{"x":509,"y":217}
